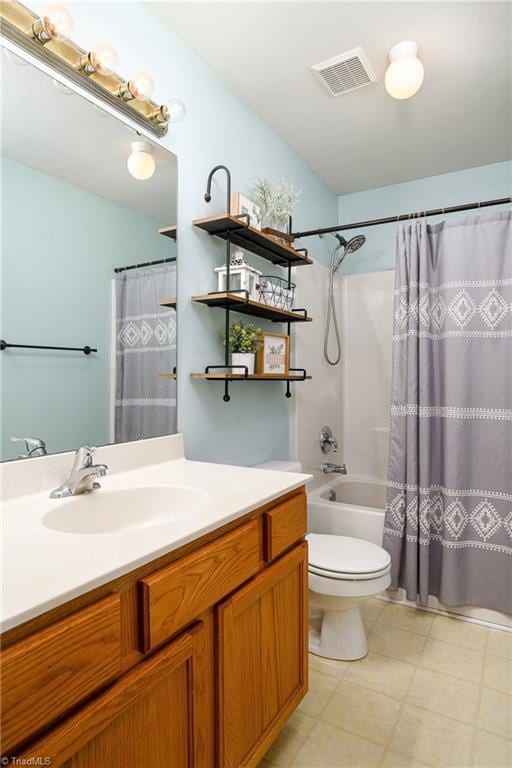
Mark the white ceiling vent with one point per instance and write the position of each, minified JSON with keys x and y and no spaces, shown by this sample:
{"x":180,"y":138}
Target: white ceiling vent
{"x":346,"y":72}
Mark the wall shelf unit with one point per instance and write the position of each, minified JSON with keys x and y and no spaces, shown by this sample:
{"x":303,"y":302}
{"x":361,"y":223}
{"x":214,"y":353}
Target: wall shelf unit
{"x":250,"y":377}
{"x":255,"y":308}
{"x":171,"y":232}
{"x":236,"y":230}
{"x":168,"y":303}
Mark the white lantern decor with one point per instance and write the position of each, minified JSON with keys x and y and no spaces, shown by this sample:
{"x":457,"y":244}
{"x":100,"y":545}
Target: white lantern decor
{"x":242,"y":276}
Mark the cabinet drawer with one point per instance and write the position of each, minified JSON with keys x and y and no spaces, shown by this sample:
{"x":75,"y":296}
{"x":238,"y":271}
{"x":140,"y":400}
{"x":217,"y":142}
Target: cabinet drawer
{"x":52,"y":670}
{"x":176,"y":595}
{"x":285,"y":525}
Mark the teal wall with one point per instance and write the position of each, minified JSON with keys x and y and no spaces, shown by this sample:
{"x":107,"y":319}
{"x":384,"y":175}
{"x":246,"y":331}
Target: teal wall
{"x":59,"y":247}
{"x":219,"y":128}
{"x":482,"y":183}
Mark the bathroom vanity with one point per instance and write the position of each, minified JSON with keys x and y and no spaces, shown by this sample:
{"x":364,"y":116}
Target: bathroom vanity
{"x":197,"y":656}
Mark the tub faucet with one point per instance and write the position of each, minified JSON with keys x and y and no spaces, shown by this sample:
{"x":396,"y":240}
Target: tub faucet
{"x":334,"y":469}
{"x":81,"y":478}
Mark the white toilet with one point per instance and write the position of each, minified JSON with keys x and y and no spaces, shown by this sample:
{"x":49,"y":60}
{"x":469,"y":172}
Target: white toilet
{"x":343,"y":573}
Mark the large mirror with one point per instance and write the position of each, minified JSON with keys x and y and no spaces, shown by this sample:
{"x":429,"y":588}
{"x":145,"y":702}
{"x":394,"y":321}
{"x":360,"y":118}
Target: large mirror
{"x":88,"y":338}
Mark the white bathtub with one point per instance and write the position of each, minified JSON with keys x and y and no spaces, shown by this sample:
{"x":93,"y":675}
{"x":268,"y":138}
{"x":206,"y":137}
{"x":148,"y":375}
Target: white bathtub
{"x":358,"y":510}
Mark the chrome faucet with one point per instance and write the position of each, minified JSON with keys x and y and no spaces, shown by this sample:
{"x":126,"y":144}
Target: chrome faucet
{"x":34,"y":446}
{"x":81,"y":478}
{"x":334,"y":469}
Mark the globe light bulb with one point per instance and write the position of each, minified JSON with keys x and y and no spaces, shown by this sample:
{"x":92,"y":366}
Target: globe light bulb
{"x":56,"y":22}
{"x":141,"y":85}
{"x":104,"y":58}
{"x":404,"y":76}
{"x":176,"y":109}
{"x":141,"y":162}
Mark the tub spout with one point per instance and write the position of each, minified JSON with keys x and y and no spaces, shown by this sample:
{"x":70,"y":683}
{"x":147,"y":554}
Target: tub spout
{"x":334,"y":469}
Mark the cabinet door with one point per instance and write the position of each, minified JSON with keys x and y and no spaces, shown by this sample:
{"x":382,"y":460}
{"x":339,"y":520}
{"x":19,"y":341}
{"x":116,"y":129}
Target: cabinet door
{"x":262,"y":659}
{"x":159,"y":715}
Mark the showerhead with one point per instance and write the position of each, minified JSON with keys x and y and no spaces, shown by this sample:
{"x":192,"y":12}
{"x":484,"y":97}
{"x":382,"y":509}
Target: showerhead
{"x":349,"y":246}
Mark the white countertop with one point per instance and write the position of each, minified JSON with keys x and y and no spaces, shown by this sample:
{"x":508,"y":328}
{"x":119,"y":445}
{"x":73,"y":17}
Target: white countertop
{"x":43,"y":568}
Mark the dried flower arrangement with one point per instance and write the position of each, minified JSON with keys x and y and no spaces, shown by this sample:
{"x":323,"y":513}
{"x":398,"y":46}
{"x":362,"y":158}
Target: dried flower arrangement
{"x":276,"y":200}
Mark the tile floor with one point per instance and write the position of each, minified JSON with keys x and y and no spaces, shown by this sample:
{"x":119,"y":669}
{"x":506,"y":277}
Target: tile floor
{"x":433,"y":691}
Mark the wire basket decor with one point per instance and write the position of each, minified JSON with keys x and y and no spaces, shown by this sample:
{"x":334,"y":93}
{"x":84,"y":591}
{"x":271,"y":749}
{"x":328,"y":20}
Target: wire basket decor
{"x":275,"y":291}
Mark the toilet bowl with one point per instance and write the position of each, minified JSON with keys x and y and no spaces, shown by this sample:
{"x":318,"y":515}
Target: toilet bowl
{"x":343,"y":573}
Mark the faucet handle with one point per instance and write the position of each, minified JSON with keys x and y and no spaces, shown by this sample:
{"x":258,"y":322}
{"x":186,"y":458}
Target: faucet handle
{"x":328,"y":442}
{"x":32,"y":445}
{"x":83,"y":456}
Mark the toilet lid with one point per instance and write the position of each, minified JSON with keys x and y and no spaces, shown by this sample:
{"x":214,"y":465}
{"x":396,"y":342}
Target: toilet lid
{"x":330,"y":555}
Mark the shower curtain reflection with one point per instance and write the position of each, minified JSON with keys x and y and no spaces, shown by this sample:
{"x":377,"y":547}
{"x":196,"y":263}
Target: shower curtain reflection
{"x":145,"y":404}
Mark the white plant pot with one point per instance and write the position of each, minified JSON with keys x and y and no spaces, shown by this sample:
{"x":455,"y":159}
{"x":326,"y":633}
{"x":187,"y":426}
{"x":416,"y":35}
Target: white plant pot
{"x":242,"y":358}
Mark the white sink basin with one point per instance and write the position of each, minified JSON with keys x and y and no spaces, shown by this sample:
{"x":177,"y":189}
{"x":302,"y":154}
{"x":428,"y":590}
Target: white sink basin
{"x":126,"y":509}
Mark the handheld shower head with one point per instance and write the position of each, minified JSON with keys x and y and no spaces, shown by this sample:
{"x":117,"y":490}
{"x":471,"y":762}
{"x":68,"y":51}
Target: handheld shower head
{"x":351,"y":245}
{"x":348,"y":246}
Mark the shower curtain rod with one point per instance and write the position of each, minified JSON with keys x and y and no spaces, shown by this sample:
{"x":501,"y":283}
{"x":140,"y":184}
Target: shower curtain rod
{"x":403,"y":217}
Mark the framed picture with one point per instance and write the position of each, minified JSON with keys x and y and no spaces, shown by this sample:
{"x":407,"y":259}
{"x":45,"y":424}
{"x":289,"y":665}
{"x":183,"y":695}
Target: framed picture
{"x":241,"y":204}
{"x":273,"y":356}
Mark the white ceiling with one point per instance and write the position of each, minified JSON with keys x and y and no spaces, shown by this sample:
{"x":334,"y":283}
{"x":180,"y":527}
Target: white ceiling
{"x":460,"y":118}
{"x":63,"y":135}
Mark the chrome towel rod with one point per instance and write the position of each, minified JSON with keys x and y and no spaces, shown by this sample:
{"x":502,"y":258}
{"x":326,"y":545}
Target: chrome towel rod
{"x":404,"y":217}
{"x":144,"y":264}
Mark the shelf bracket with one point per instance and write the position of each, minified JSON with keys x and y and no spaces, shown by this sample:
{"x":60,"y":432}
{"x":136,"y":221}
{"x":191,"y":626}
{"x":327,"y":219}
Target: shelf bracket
{"x":209,"y":368}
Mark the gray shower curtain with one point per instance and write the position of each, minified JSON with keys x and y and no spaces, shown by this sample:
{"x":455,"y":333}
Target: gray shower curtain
{"x":145,"y":346}
{"x":448,"y":522}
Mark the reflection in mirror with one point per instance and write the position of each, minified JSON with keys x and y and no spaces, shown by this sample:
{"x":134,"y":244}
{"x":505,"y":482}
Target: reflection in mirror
{"x":87,"y":330}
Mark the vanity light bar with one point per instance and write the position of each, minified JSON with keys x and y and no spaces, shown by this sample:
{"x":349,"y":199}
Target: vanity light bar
{"x":26,"y":30}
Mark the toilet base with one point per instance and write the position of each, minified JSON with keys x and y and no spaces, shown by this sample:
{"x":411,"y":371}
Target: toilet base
{"x":342,"y":635}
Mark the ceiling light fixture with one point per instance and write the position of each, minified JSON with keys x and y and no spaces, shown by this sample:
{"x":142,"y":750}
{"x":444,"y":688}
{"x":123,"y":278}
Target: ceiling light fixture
{"x":404,"y":76}
{"x":141,"y":162}
{"x":56,"y":22}
{"x":103,"y":59}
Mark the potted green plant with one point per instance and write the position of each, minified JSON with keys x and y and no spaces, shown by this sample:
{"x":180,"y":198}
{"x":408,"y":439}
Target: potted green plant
{"x":244,"y":340}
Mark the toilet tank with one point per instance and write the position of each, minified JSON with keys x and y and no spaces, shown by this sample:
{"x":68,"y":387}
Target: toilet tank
{"x":280,"y":466}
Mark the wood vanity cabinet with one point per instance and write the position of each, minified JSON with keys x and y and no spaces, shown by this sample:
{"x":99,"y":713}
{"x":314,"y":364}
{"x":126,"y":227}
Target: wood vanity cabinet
{"x":195,"y":660}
